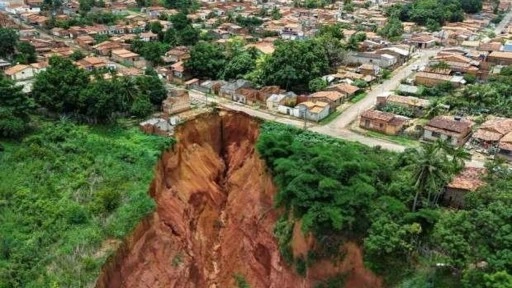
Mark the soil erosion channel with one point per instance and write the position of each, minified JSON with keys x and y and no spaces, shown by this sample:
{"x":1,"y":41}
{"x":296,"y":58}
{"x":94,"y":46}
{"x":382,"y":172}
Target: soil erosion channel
{"x":214,"y":219}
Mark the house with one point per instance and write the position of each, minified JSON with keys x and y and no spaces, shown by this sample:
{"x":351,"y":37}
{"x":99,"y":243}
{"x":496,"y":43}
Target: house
{"x":432,"y":79}
{"x":381,"y":60}
{"x":387,"y":123}
{"x":176,"y":54}
{"x":4,"y":65}
{"x":368,"y":69}
{"x":423,"y":41}
{"x":229,"y":90}
{"x":104,"y":48}
{"x":454,"y":130}
{"x":505,"y":146}
{"x":416,"y":104}
{"x":91,"y":63}
{"x":124,"y":56}
{"x":402,"y":55}
{"x":469,"y":180}
{"x":334,"y":98}
{"x":148,"y":36}
{"x":20,"y":72}
{"x":158,"y":126}
{"x":176,"y":103}
{"x":178,"y":73}
{"x":500,"y":58}
{"x":314,"y":111}
{"x":85,"y":41}
{"x":491,"y":131}
{"x":344,"y":88}
{"x":274,"y":101}
{"x":489,"y":47}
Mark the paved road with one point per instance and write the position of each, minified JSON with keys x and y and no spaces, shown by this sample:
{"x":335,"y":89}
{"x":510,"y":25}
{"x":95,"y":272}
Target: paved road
{"x":503,"y":23}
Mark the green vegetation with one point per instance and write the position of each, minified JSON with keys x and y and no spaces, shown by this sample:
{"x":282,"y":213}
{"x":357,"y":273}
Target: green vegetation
{"x":390,"y":202}
{"x":434,"y":13}
{"x":240,"y":281}
{"x":13,"y":49}
{"x":66,"y":189}
{"x":66,"y":89}
{"x":331,"y":117}
{"x":15,"y":108}
{"x":313,"y":58}
{"x":397,"y":109}
{"x":358,"y":97}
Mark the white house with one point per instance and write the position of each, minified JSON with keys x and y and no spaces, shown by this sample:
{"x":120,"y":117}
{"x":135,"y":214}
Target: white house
{"x":314,"y":111}
{"x":274,"y":100}
{"x":20,"y":72}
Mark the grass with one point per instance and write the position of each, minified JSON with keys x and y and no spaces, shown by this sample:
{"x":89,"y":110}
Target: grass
{"x":358,"y":97}
{"x":329,"y":118}
{"x":402,"y":140}
{"x":64,"y":191}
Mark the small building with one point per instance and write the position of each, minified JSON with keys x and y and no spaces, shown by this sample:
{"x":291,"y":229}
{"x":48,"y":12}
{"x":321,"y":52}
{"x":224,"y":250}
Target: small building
{"x":410,"y":102}
{"x":344,"y":88}
{"x":314,"y":111}
{"x":500,"y":58}
{"x":124,"y":56}
{"x":505,"y":146}
{"x":177,"y":103}
{"x":368,"y":69}
{"x":229,"y":90}
{"x":454,"y":130}
{"x":178,"y":73}
{"x":176,"y":54}
{"x":4,"y":65}
{"x":469,"y":180}
{"x":491,"y":131}
{"x":148,"y":36}
{"x":104,"y":48}
{"x":274,"y":101}
{"x":408,"y":89}
{"x":20,"y":72}
{"x":423,"y":41}
{"x":432,"y":79}
{"x":85,"y":41}
{"x":158,"y":126}
{"x":334,"y":98}
{"x":387,"y":123}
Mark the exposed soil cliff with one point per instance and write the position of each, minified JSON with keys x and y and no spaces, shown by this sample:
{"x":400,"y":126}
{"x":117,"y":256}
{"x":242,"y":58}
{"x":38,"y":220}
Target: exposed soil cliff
{"x":214,"y":218}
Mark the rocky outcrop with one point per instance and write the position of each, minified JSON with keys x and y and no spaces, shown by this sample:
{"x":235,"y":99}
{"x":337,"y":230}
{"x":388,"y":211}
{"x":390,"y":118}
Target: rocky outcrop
{"x":214,"y":217}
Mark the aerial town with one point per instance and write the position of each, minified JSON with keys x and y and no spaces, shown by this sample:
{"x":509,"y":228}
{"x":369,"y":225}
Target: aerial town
{"x":390,"y":75}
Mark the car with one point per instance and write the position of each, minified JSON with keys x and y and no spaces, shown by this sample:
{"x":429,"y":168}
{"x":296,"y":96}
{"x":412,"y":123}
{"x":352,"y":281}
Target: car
{"x":415,"y":67}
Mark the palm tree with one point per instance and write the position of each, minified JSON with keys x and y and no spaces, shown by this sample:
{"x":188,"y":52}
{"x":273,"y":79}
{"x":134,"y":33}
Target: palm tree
{"x":429,"y":172}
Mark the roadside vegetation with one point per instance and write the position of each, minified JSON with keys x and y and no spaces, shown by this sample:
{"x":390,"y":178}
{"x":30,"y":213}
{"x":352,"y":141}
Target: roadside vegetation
{"x":390,"y":203}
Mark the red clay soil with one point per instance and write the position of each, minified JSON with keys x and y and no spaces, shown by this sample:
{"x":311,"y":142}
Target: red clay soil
{"x":214,"y":219}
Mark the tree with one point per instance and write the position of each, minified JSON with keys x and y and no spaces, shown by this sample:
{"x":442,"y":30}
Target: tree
{"x":206,"y":60}
{"x":156,"y":27}
{"x":26,"y":53}
{"x":58,"y":87}
{"x":239,"y":66}
{"x":77,"y":55}
{"x":317,"y":84}
{"x":499,"y":279}
{"x":180,"y":21}
{"x":152,"y":87}
{"x":153,"y":51}
{"x":309,"y":62}
{"x":430,"y":172}
{"x":334,"y":31}
{"x":97,"y":102}
{"x":471,"y":6}
{"x":8,"y":42}
{"x":393,"y":28}
{"x":188,"y":36}
{"x":15,"y":107}
{"x":171,"y":37}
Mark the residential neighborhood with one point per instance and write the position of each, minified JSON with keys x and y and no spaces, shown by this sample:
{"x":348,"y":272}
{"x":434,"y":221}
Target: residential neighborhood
{"x":398,"y":87}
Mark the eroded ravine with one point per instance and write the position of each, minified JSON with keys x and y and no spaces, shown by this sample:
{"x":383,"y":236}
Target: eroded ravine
{"x":214,"y":217}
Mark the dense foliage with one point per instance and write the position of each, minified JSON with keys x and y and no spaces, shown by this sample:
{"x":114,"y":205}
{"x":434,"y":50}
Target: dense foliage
{"x":63,"y":191}
{"x":433,"y":13}
{"x":13,"y":49}
{"x":15,"y":107}
{"x":390,"y":204}
{"x":66,"y":89}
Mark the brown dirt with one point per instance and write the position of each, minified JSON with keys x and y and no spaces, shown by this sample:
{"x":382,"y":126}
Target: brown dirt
{"x":214,"y":219}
